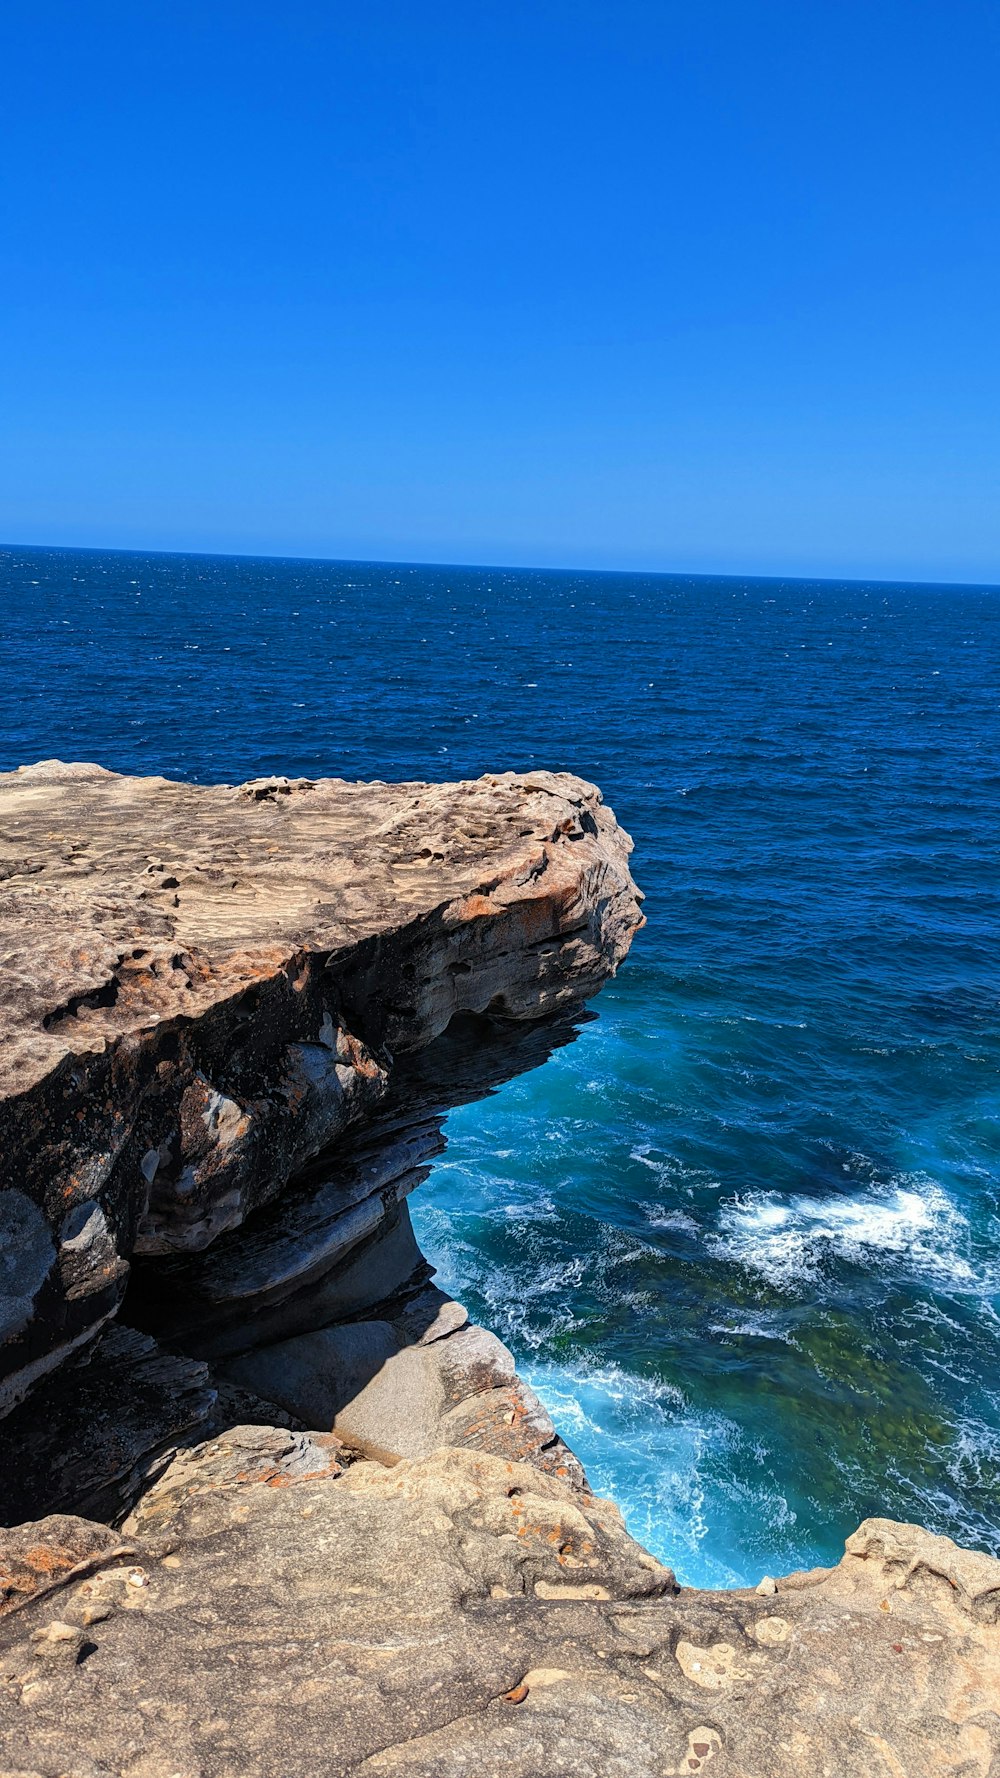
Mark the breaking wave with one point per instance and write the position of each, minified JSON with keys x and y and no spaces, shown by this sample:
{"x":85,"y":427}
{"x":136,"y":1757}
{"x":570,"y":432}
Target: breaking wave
{"x":913,"y":1229}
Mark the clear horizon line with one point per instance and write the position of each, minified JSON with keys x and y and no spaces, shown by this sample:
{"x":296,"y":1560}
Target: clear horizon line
{"x":494,"y":567}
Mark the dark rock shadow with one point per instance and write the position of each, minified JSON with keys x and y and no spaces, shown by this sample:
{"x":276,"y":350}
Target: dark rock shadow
{"x":333,"y":1262}
{"x":338,"y":1242}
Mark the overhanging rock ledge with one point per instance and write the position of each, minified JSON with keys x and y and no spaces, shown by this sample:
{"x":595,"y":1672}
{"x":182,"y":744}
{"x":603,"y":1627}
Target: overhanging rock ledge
{"x":202,"y":988}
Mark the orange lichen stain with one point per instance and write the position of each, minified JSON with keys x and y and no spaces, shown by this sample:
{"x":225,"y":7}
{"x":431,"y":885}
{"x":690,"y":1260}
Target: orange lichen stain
{"x":476,"y":907}
{"x":46,"y":1560}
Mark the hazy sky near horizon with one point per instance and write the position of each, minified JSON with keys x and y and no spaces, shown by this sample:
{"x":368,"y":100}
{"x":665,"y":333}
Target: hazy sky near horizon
{"x":708,"y":286}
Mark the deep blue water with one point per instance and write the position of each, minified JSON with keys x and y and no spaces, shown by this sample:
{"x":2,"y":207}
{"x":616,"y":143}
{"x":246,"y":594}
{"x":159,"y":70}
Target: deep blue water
{"x":744,"y":1235}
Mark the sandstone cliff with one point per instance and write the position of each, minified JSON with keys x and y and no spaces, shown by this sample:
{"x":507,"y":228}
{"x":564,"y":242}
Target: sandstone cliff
{"x":273,"y":1505}
{"x":203,"y":989}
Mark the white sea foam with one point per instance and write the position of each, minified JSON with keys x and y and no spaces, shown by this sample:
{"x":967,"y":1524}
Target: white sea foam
{"x":913,"y":1228}
{"x":527,"y":1310}
{"x":960,"y":1498}
{"x":975,"y":1455}
{"x":753,"y":1325}
{"x":672,"y":1471}
{"x":660,"y":1218}
{"x":674,"y":1173}
{"x":540,"y":1209}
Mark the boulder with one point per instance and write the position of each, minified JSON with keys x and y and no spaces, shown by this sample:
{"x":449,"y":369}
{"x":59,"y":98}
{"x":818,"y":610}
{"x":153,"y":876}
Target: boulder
{"x":398,"y":1390}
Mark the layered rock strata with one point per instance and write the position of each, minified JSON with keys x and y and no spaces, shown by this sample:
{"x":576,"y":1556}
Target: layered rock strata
{"x":338,"y":1241}
{"x":203,"y":989}
{"x":416,"y":1378}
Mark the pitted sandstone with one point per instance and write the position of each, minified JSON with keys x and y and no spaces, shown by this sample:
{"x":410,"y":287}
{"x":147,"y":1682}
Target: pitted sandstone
{"x":463,"y":1613}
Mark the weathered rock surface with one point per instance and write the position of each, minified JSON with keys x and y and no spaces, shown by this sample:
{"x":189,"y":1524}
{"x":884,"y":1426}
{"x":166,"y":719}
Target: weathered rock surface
{"x":392,"y":1391}
{"x":37,"y":1558}
{"x":93,"y":1437}
{"x":338,"y":1241}
{"x":274,"y":1611}
{"x":202,"y":989}
{"x":377,"y":1353}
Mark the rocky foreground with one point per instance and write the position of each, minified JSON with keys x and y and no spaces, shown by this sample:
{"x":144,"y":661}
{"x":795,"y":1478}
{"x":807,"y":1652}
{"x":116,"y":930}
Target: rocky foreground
{"x":261,"y":1613}
{"x":272,"y":1505}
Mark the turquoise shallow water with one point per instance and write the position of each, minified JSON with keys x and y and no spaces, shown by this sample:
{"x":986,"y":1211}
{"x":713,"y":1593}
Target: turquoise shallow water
{"x":744,"y":1234}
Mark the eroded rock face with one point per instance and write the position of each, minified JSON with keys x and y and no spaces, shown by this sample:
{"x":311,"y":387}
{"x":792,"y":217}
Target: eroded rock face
{"x":203,"y":989}
{"x":338,"y":1241}
{"x":38,"y":1558}
{"x":93,"y":1437}
{"x":275,"y":1610}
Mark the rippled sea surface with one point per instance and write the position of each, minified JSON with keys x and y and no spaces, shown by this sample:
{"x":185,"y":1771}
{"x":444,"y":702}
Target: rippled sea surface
{"x":744,"y":1234}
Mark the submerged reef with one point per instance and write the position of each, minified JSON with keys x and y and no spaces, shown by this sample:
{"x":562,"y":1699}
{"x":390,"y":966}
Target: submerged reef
{"x":271,"y":1502}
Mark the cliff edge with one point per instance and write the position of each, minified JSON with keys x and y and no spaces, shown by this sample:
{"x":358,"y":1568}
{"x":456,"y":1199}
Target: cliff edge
{"x":272,"y":1504}
{"x":267,"y":1611}
{"x":203,"y":989}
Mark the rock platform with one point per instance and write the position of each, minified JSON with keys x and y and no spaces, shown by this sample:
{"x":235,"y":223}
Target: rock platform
{"x":273,"y":1607}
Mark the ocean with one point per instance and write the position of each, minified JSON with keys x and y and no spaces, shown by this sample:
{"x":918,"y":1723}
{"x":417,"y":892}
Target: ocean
{"x":743,"y":1236}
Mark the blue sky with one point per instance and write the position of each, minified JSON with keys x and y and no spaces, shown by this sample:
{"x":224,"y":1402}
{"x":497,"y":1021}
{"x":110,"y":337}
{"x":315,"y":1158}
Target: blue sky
{"x":707,"y":286}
